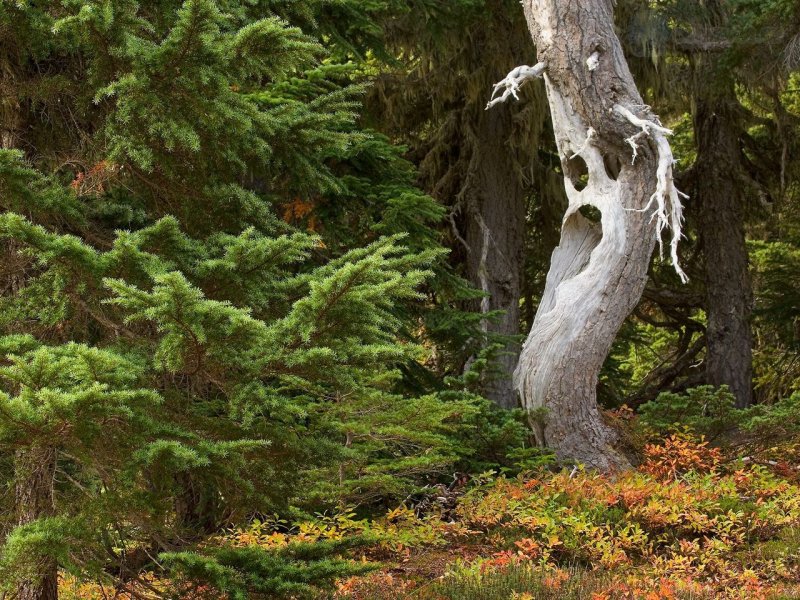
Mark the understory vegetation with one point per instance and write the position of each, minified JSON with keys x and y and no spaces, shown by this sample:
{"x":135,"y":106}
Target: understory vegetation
{"x":692,"y":521}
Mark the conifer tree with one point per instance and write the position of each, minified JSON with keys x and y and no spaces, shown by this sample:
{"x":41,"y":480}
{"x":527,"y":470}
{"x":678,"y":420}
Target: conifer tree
{"x":698,"y":62}
{"x":175,"y":354}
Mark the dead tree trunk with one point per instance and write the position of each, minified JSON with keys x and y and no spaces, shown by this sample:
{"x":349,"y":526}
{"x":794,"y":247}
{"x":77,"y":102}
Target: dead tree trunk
{"x":616,"y":160}
{"x":34,"y":471}
{"x":495,"y":205}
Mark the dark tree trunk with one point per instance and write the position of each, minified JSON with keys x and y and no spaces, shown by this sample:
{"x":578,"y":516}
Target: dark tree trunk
{"x":197,"y":506}
{"x":720,"y":191}
{"x":35,"y":474}
{"x":495,"y":233}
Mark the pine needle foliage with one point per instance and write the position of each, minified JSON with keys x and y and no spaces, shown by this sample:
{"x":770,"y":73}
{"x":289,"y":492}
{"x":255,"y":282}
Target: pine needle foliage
{"x":291,"y":572}
{"x":176,"y":356}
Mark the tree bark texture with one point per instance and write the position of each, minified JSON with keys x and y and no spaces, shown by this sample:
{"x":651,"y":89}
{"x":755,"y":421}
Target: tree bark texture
{"x":722,"y":185}
{"x":729,"y":297}
{"x":35,"y":474}
{"x":599,"y":270}
{"x":495,"y":208}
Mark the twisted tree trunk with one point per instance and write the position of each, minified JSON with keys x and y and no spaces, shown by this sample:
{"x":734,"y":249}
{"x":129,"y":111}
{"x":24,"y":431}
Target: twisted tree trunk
{"x":617,"y":161}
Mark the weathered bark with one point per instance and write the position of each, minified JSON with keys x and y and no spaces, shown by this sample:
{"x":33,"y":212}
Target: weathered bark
{"x":729,"y":299}
{"x":599,"y":271}
{"x":495,"y":203}
{"x":34,"y":471}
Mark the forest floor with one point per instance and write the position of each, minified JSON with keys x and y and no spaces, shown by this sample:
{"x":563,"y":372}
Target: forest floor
{"x":686,"y":524}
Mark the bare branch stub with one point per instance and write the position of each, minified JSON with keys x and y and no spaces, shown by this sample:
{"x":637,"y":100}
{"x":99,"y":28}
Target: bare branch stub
{"x":512,"y":83}
{"x":667,"y":198}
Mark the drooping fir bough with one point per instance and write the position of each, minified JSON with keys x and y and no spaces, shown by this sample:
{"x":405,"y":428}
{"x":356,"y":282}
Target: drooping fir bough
{"x":616,"y":160}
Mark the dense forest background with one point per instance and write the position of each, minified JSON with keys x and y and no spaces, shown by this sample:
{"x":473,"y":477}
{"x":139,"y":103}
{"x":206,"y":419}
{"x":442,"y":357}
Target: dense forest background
{"x":267,"y":267}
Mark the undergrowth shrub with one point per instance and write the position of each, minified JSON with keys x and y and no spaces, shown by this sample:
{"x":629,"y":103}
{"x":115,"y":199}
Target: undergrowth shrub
{"x":710,"y":411}
{"x":686,"y":524}
{"x":689,"y":523}
{"x":704,"y":410}
{"x":764,"y":433}
{"x":680,"y":454}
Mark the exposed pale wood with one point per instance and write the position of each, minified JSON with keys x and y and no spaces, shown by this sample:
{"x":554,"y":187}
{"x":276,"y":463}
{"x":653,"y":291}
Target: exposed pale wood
{"x":598,"y":272}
